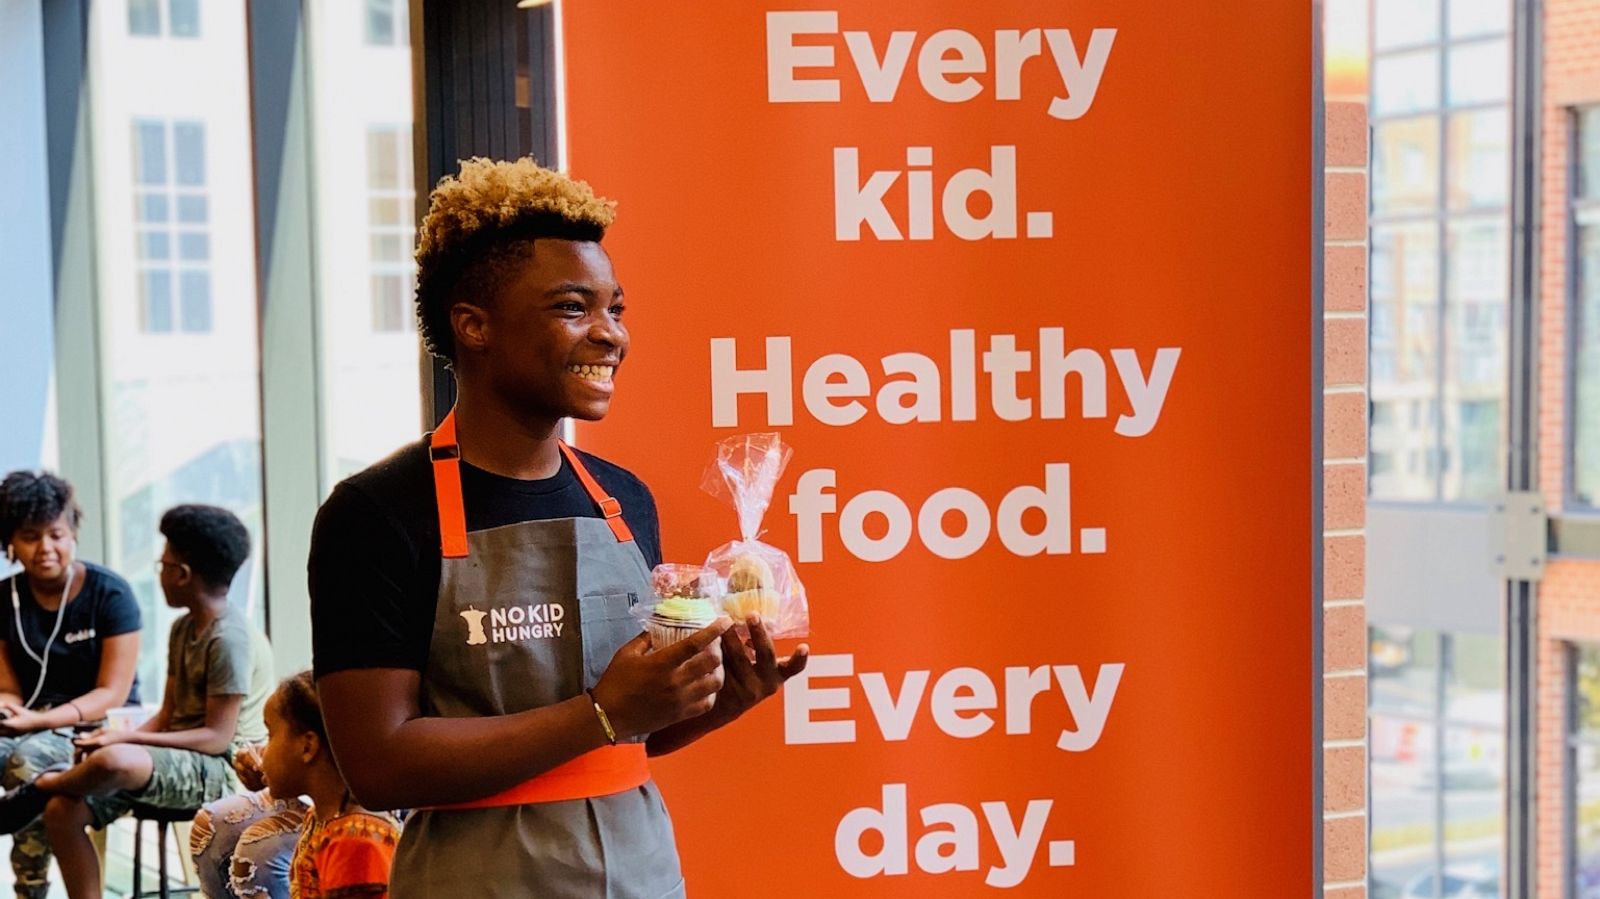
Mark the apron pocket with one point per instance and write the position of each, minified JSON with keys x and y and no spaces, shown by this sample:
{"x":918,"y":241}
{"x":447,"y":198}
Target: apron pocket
{"x":606,"y":624}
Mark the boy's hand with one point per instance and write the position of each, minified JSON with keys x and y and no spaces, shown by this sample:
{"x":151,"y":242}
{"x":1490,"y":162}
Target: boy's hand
{"x":100,"y":739}
{"x":643,"y":692}
{"x":754,"y":671}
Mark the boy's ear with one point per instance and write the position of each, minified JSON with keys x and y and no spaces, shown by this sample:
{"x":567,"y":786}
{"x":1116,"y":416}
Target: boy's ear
{"x":310,"y":746}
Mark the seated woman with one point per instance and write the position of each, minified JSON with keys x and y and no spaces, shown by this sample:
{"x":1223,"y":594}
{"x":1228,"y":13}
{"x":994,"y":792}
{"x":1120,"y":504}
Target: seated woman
{"x":242,"y":844}
{"x":68,"y":647}
{"x":344,"y":850}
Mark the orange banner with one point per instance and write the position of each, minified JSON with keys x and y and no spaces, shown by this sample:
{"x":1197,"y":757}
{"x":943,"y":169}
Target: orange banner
{"x":1028,"y":287}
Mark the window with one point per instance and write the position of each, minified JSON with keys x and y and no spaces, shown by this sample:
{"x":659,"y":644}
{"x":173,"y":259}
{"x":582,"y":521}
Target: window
{"x":1583,"y":767}
{"x":179,"y":416}
{"x":386,"y":23}
{"x":1437,"y":752}
{"x":1440,"y":249}
{"x":390,"y":199}
{"x":172,"y":234}
{"x":182,"y":18}
{"x":1585,"y":303}
{"x":370,"y":364}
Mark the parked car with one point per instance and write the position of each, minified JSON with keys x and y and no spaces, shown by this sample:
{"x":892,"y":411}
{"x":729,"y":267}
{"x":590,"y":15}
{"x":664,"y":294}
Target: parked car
{"x":1471,"y":881}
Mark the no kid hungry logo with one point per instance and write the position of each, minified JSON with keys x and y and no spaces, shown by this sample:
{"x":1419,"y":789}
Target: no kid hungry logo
{"x":516,"y":624}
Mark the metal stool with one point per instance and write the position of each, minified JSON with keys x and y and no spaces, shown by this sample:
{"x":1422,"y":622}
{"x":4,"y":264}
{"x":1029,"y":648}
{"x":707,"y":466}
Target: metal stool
{"x":163,"y":818}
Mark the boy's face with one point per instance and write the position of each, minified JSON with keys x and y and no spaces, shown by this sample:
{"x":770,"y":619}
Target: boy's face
{"x":551,"y":341}
{"x":176,"y":578}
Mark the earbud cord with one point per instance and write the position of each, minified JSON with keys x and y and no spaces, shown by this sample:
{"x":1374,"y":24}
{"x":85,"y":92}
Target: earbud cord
{"x":61,"y":613}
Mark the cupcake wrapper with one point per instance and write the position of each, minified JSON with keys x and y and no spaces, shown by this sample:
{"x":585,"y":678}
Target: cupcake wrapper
{"x":664,"y":635}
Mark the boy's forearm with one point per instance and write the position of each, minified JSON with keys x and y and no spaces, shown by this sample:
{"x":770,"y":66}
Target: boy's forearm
{"x":207,"y":740}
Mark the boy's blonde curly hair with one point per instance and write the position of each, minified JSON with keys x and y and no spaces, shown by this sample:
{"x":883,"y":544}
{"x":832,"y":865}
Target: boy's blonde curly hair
{"x":485,"y":219}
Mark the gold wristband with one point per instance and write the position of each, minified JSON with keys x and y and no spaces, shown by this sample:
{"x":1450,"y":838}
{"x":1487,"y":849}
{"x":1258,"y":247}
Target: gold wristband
{"x":605,"y":721}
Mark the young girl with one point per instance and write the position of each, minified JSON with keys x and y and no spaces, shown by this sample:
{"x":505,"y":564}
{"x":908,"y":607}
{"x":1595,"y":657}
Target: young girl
{"x":344,"y":850}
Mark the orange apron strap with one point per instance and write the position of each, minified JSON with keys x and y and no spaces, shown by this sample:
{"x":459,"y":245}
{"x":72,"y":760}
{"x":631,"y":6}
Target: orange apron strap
{"x":446,"y":457}
{"x":607,"y":503}
{"x":603,"y":772}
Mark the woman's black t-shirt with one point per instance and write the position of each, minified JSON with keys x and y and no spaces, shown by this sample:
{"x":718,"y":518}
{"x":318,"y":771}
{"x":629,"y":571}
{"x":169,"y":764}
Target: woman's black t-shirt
{"x":104,"y":608}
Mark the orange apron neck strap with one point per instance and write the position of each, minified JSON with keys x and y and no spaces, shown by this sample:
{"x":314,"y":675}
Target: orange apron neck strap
{"x":445,"y":454}
{"x":607,"y":503}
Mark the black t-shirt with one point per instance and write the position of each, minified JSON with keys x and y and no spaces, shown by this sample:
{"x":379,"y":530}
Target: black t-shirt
{"x":375,"y":559}
{"x":104,"y":608}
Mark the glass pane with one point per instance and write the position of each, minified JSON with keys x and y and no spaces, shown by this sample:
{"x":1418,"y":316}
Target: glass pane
{"x":160,"y":452}
{"x":1588,"y":162}
{"x":1405,"y":166}
{"x":387,"y":248}
{"x":155,"y":299}
{"x":1475,"y":18}
{"x":189,"y":149}
{"x":1480,"y":173}
{"x":1404,"y":667}
{"x":380,"y":22}
{"x":369,"y":362}
{"x":1586,"y":818}
{"x":1586,"y":365}
{"x":194,"y":246}
{"x":385,"y":211}
{"x":383,"y":158}
{"x":1474,"y":825}
{"x":1586,"y":770}
{"x":389,"y":311}
{"x":185,"y":18}
{"x":1404,"y":790}
{"x":1407,"y":82}
{"x":155,"y":246}
{"x":153,"y":208}
{"x":150,"y":152}
{"x":192,"y":208}
{"x":196,"y":294}
{"x":1475,"y":376}
{"x":1402,"y":23}
{"x":1479,"y":73}
{"x":144,"y":17}
{"x":1405,"y":360}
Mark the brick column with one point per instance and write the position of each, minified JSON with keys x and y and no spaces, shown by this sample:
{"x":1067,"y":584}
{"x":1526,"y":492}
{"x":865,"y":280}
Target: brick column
{"x":1569,"y":596}
{"x":1344,"y":756}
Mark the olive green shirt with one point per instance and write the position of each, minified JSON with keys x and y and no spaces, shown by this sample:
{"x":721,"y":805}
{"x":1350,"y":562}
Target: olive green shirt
{"x":227,"y":657}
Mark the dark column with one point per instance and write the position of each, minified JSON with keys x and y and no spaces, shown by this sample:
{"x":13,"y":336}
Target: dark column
{"x":484,"y":79}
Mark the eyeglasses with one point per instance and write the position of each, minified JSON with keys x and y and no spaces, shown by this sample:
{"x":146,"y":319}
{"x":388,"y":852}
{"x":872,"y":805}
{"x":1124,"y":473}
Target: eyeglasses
{"x":162,"y":565}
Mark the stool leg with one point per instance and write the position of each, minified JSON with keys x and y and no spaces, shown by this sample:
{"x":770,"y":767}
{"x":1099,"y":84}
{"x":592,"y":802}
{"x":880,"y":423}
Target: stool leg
{"x":138,"y":859}
{"x":161,"y":849}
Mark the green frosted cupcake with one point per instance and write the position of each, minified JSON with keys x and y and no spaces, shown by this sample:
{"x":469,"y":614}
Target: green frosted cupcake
{"x":674,"y":619}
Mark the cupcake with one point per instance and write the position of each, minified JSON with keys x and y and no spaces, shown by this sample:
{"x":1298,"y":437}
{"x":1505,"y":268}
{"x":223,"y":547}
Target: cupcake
{"x":676,"y":618}
{"x":750,"y":590}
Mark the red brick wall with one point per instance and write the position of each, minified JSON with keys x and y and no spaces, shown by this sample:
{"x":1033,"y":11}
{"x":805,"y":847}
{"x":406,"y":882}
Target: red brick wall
{"x":1569,"y":597}
{"x":1344,"y":758}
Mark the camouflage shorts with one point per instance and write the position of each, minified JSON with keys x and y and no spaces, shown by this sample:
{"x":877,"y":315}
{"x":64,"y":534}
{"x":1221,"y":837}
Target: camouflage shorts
{"x":180,"y":779}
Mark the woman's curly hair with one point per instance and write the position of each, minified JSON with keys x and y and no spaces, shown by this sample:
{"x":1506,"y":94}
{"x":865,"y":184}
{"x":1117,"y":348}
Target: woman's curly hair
{"x":484,"y":219}
{"x":33,"y":500}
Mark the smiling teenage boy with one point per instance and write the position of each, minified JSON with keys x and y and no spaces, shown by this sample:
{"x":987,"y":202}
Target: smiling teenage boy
{"x":525,"y":747}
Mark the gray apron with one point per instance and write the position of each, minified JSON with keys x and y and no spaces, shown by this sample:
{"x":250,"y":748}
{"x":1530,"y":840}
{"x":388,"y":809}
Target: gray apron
{"x":530,"y":617}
